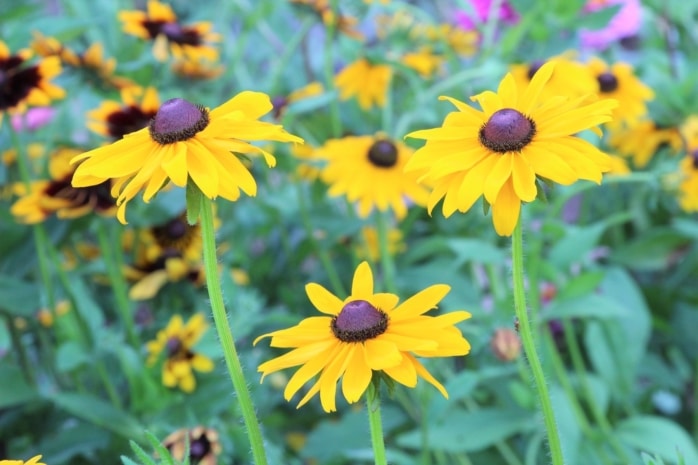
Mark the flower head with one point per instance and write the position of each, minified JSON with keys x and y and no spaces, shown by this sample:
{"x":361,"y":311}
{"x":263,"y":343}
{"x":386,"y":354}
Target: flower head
{"x":177,"y":341}
{"x":500,"y":151}
{"x":159,"y":24}
{"x":619,"y":82}
{"x":57,"y":196}
{"x":365,"y":333}
{"x":22,"y":84}
{"x":204,"y":447}
{"x":186,"y":142}
{"x":365,"y":80}
{"x":370,"y":170}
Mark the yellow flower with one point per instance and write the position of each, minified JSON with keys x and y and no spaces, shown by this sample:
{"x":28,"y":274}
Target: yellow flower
{"x":24,"y":85}
{"x":643,"y":139}
{"x":196,"y":69}
{"x":160,"y":24}
{"x":619,"y":167}
{"x":569,"y":78}
{"x":46,"y":316}
{"x":365,"y":333}
{"x":115,"y":119}
{"x":369,"y":248}
{"x":202,"y":443}
{"x":689,"y":132}
{"x":620,"y":83}
{"x":370,"y":170}
{"x":177,"y":341}
{"x":168,"y":252}
{"x":57,"y":195}
{"x":688,"y":187}
{"x":32,"y":461}
{"x":500,"y":151}
{"x":186,"y":142}
{"x":367,"y":81}
{"x":423,"y":61}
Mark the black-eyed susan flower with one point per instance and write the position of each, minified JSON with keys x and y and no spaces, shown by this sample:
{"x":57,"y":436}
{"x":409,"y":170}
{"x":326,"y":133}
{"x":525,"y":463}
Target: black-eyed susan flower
{"x":198,"y":70}
{"x":363,"y":335}
{"x":160,"y":24}
{"x":24,"y":84}
{"x":423,"y":61}
{"x":619,"y":82}
{"x":311,"y":161}
{"x":57,"y":195}
{"x":92,"y":60}
{"x":644,"y":139}
{"x":369,"y":170}
{"x":500,"y":151}
{"x":689,"y":132}
{"x":570,"y":77}
{"x":115,"y":119}
{"x":32,"y":461}
{"x":204,"y":446}
{"x":177,"y":342}
{"x":366,"y":81}
{"x":167,"y":252}
{"x":186,"y":142}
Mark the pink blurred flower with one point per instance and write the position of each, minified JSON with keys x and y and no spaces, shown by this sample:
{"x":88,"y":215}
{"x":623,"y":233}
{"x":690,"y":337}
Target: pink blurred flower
{"x":625,"y":23}
{"x":33,"y":119}
{"x":506,"y":14}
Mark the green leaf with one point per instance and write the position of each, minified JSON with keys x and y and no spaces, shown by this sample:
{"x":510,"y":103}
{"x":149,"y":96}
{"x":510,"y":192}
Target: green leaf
{"x":465,"y":431}
{"x":194,"y":197}
{"x":657,"y":435}
{"x":98,"y":412}
{"x":70,"y":356}
{"x":653,"y":251}
{"x":580,"y":286}
{"x":14,"y":390}
{"x":475,"y":250}
{"x":18,"y":297}
{"x":589,"y":306}
{"x":576,"y":244}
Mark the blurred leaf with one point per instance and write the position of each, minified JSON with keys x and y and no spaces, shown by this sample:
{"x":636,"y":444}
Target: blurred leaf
{"x":475,"y":250}
{"x":653,"y":251}
{"x":576,"y":244}
{"x":658,"y":435}
{"x":590,"y":306}
{"x":71,"y":355}
{"x":98,"y":412}
{"x":18,"y":297}
{"x":14,"y":390}
{"x":72,"y":440}
{"x":580,"y":285}
{"x":595,"y":20}
{"x":465,"y":431}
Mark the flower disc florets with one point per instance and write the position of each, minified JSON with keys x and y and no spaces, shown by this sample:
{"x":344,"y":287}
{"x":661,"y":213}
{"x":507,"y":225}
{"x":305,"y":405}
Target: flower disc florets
{"x":607,"y":82}
{"x":174,"y":346}
{"x":507,"y":130}
{"x":694,"y":157}
{"x":177,"y":120}
{"x":199,"y":448}
{"x":359,"y":321}
{"x":383,"y":153}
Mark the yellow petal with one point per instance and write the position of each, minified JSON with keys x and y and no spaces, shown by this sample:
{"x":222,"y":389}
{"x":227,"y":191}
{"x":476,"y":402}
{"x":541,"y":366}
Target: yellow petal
{"x":362,"y":285}
{"x":323,"y":300}
{"x":357,"y":376}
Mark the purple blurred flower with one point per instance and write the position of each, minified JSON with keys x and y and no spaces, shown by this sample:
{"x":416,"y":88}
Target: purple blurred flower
{"x":33,"y":119}
{"x":506,"y":14}
{"x":625,"y":23}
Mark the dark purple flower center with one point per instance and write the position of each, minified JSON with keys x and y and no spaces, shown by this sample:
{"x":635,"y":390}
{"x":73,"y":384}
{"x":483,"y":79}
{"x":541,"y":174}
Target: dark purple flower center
{"x":16,"y":83}
{"x":176,"y":234}
{"x":127,"y":120}
{"x":694,"y":156}
{"x":97,"y":196}
{"x":507,"y":130}
{"x":173,"y":346}
{"x":177,"y":120}
{"x":607,"y":82}
{"x":199,"y":448}
{"x":533,"y":68}
{"x":383,"y":154}
{"x":359,"y":321}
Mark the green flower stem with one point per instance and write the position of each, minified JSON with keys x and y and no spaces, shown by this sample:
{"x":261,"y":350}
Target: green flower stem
{"x":18,"y":348}
{"x":328,"y":68}
{"x":374,"y":418}
{"x":225,"y":335}
{"x":322,"y":254}
{"x":116,"y":278}
{"x":527,"y":339}
{"x":386,"y":257}
{"x":599,"y":416}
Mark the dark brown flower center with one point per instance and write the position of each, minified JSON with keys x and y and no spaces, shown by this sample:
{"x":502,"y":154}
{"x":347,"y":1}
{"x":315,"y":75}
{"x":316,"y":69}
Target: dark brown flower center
{"x":359,"y":321}
{"x":607,"y":82}
{"x":181,"y":35}
{"x":694,"y":156}
{"x":16,"y":83}
{"x":177,"y":120}
{"x":176,"y":234}
{"x":127,"y":120}
{"x":533,"y":68}
{"x":507,"y":130}
{"x":383,"y":154}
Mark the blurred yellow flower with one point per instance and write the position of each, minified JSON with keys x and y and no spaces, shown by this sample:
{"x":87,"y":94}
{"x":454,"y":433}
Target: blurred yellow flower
{"x":644,"y":139}
{"x":32,"y":461}
{"x":366,"y":81}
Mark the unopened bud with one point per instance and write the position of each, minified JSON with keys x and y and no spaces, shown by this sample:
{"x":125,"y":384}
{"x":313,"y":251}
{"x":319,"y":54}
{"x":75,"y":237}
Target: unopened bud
{"x":505,"y":344}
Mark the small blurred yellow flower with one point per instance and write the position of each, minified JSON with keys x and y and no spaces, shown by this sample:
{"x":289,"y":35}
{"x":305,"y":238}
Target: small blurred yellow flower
{"x":369,"y":248}
{"x":366,"y":81}
{"x":423,"y":61}
{"x":32,"y":461}
{"x":203,"y":444}
{"x":46,"y":317}
{"x":642,"y":140}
